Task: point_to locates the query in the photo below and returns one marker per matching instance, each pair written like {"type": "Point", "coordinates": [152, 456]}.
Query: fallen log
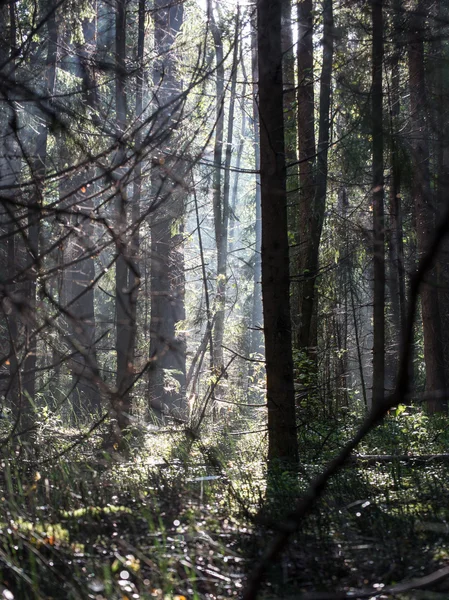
{"type": "Point", "coordinates": [374, 459]}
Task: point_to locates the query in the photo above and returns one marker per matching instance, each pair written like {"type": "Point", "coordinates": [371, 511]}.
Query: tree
{"type": "Point", "coordinates": [125, 306]}
{"type": "Point", "coordinates": [282, 439]}
{"type": "Point", "coordinates": [38, 170]}
{"type": "Point", "coordinates": [396, 251]}
{"type": "Point", "coordinates": [309, 219]}
{"type": "Point", "coordinates": [166, 384]}
{"type": "Point", "coordinates": [378, 205]}
{"type": "Point", "coordinates": [425, 211]}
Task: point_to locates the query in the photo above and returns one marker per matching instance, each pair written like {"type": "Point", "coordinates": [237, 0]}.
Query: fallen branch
{"type": "Point", "coordinates": [375, 459]}
{"type": "Point", "coordinates": [415, 584]}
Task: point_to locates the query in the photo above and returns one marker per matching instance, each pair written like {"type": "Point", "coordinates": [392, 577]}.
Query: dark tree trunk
{"type": "Point", "coordinates": [378, 205]}
{"type": "Point", "coordinates": [167, 375]}
{"type": "Point", "coordinates": [124, 290]}
{"type": "Point", "coordinates": [282, 439]}
{"type": "Point", "coordinates": [396, 252]}
{"type": "Point", "coordinates": [308, 218]}
{"type": "Point", "coordinates": [425, 211]}
{"type": "Point", "coordinates": [10, 175]}
{"type": "Point", "coordinates": [441, 131]}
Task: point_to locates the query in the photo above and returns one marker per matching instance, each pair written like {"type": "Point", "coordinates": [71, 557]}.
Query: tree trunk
{"type": "Point", "coordinates": [124, 292]}
{"type": "Point", "coordinates": [282, 439]}
{"type": "Point", "coordinates": [441, 131]}
{"type": "Point", "coordinates": [79, 292]}
{"type": "Point", "coordinates": [221, 211]}
{"type": "Point", "coordinates": [378, 205]}
{"type": "Point", "coordinates": [167, 375]}
{"type": "Point", "coordinates": [257, 311]}
{"type": "Point", "coordinates": [425, 211]}
{"type": "Point", "coordinates": [308, 218]}
{"type": "Point", "coordinates": [10, 164]}
{"type": "Point", "coordinates": [396, 252]}
{"type": "Point", "coordinates": [291, 133]}
{"type": "Point", "coordinates": [39, 168]}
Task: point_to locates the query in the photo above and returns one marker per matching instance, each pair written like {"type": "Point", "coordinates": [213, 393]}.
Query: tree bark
{"type": "Point", "coordinates": [378, 204]}
{"type": "Point", "coordinates": [124, 292]}
{"type": "Point", "coordinates": [282, 439]}
{"type": "Point", "coordinates": [425, 211]}
{"type": "Point", "coordinates": [396, 251]}
{"type": "Point", "coordinates": [10, 175]}
{"type": "Point", "coordinates": [257, 310]}
{"type": "Point", "coordinates": [167, 375]}
{"type": "Point", "coordinates": [291, 133]}
{"type": "Point", "coordinates": [308, 217]}
{"type": "Point", "coordinates": [441, 132]}
{"type": "Point", "coordinates": [222, 212]}
{"type": "Point", "coordinates": [39, 169]}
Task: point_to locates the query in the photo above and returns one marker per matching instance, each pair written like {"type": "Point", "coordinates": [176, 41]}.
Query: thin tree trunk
{"type": "Point", "coordinates": [125, 319]}
{"type": "Point", "coordinates": [257, 311]}
{"type": "Point", "coordinates": [396, 252]}
{"type": "Point", "coordinates": [378, 205]}
{"type": "Point", "coordinates": [291, 134]}
{"type": "Point", "coordinates": [282, 439]}
{"type": "Point", "coordinates": [222, 230]}
{"type": "Point", "coordinates": [308, 217]}
{"type": "Point", "coordinates": [221, 212]}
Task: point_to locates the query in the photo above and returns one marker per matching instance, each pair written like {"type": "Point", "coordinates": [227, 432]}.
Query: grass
{"type": "Point", "coordinates": [169, 524]}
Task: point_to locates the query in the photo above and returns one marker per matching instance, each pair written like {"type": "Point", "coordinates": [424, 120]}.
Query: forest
{"type": "Point", "coordinates": [224, 299]}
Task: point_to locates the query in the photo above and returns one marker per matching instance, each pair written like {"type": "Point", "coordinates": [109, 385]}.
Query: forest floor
{"type": "Point", "coordinates": [167, 523]}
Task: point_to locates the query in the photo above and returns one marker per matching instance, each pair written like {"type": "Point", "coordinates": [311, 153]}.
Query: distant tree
{"type": "Point", "coordinates": [38, 166]}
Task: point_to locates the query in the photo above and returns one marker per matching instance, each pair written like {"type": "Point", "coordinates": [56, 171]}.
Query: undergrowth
{"type": "Point", "coordinates": [179, 519]}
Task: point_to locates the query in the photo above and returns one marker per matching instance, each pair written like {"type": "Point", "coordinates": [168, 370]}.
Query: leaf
{"type": "Point", "coordinates": [399, 410]}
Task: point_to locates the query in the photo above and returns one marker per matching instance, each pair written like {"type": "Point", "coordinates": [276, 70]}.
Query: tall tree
{"type": "Point", "coordinates": [440, 121]}
{"type": "Point", "coordinates": [10, 164]}
{"type": "Point", "coordinates": [222, 203]}
{"type": "Point", "coordinates": [425, 209]}
{"type": "Point", "coordinates": [124, 289]}
{"type": "Point", "coordinates": [78, 192]}
{"type": "Point", "coordinates": [257, 310]}
{"type": "Point", "coordinates": [378, 204]}
{"type": "Point", "coordinates": [167, 347]}
{"type": "Point", "coordinates": [290, 124]}
{"type": "Point", "coordinates": [39, 166]}
{"type": "Point", "coordinates": [308, 218]}
{"type": "Point", "coordinates": [396, 252]}
{"type": "Point", "coordinates": [282, 440]}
